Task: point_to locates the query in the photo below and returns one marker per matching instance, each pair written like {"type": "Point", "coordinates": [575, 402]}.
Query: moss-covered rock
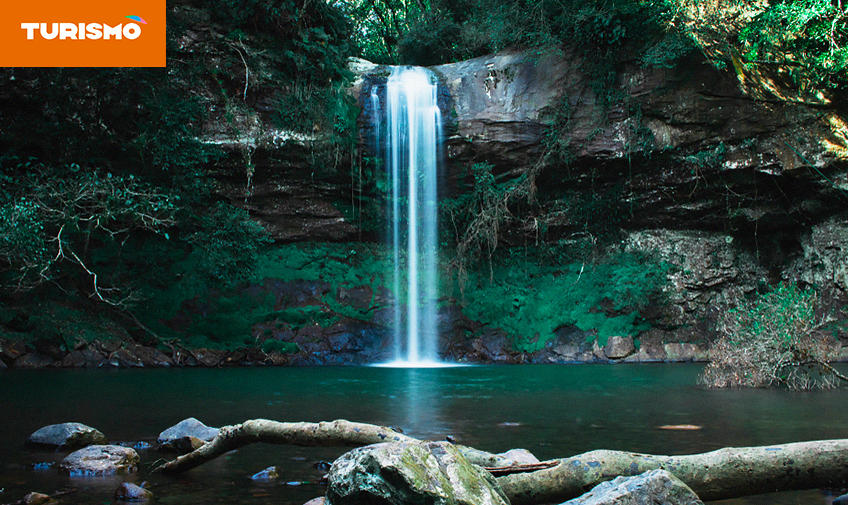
{"type": "Point", "coordinates": [400, 474]}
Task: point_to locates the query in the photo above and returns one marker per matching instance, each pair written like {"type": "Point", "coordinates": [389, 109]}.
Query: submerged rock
{"type": "Point", "coordinates": [100, 460]}
{"type": "Point", "coordinates": [132, 492]}
{"type": "Point", "coordinates": [269, 473]}
{"type": "Point", "coordinates": [656, 486]}
{"type": "Point", "coordinates": [401, 474]}
{"type": "Point", "coordinates": [66, 436]}
{"type": "Point", "coordinates": [186, 435]}
{"type": "Point", "coordinates": [37, 499]}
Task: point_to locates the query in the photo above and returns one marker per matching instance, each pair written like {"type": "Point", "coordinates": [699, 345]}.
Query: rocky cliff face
{"type": "Point", "coordinates": [737, 192]}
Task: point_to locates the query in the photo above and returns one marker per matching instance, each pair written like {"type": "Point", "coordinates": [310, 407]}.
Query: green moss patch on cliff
{"type": "Point", "coordinates": [530, 300]}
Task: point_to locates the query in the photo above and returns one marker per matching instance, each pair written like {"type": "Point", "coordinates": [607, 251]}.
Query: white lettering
{"type": "Point", "coordinates": [67, 31]}
{"type": "Point", "coordinates": [30, 28]}
{"type": "Point", "coordinates": [82, 31]}
{"type": "Point", "coordinates": [112, 31]}
{"type": "Point", "coordinates": [132, 31]}
{"type": "Point", "coordinates": [94, 31]}
{"type": "Point", "coordinates": [52, 34]}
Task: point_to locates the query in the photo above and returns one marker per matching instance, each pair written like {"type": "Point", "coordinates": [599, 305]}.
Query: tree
{"type": "Point", "coordinates": [53, 220]}
{"type": "Point", "coordinates": [721, 474]}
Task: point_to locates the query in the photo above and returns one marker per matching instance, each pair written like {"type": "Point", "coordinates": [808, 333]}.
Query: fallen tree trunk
{"type": "Point", "coordinates": [721, 474]}
{"type": "Point", "coordinates": [335, 433]}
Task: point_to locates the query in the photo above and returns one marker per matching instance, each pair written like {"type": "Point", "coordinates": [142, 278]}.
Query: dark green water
{"type": "Point", "coordinates": [553, 411]}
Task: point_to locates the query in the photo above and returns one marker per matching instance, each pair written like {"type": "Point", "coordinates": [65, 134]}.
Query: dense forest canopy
{"type": "Point", "coordinates": [104, 183]}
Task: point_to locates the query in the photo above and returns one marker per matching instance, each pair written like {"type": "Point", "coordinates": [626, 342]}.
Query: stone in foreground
{"type": "Point", "coordinates": [186, 435]}
{"type": "Point", "coordinates": [68, 436]}
{"type": "Point", "coordinates": [132, 492]}
{"type": "Point", "coordinates": [100, 460]}
{"type": "Point", "coordinates": [521, 456]}
{"type": "Point", "coordinates": [37, 499]}
{"type": "Point", "coordinates": [654, 487]}
{"type": "Point", "coordinates": [406, 474]}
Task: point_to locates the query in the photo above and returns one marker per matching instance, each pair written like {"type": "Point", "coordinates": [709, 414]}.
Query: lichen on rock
{"type": "Point", "coordinates": [411, 473]}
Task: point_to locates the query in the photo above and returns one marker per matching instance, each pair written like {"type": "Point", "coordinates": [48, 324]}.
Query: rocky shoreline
{"type": "Point", "coordinates": [339, 348]}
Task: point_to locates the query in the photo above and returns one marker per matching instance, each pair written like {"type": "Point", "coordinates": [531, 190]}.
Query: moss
{"type": "Point", "coordinates": [530, 301]}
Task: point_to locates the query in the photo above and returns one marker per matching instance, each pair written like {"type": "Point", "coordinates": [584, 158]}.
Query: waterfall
{"type": "Point", "coordinates": [412, 137]}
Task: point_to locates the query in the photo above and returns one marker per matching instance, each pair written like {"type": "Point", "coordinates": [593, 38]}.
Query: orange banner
{"type": "Point", "coordinates": [86, 33]}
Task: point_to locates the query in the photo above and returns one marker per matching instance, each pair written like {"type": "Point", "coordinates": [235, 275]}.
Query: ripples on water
{"type": "Point", "coordinates": [553, 411]}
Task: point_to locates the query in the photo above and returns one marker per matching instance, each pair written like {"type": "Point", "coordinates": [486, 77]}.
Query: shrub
{"type": "Point", "coordinates": [776, 339]}
{"type": "Point", "coordinates": [228, 243]}
{"type": "Point", "coordinates": [806, 37]}
{"type": "Point", "coordinates": [21, 238]}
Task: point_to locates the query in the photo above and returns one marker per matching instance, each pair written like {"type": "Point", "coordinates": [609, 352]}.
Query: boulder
{"type": "Point", "coordinates": [401, 474]}
{"type": "Point", "coordinates": [131, 492]}
{"type": "Point", "coordinates": [11, 349]}
{"type": "Point", "coordinates": [37, 499]}
{"type": "Point", "coordinates": [68, 436]}
{"type": "Point", "coordinates": [656, 486]}
{"type": "Point", "coordinates": [150, 356]}
{"type": "Point", "coordinates": [209, 358]}
{"type": "Point", "coordinates": [179, 437]}
{"type": "Point", "coordinates": [100, 460]}
{"type": "Point", "coordinates": [126, 359]}
{"type": "Point", "coordinates": [619, 347]}
{"type": "Point", "coordinates": [522, 456]}
{"type": "Point", "coordinates": [33, 360]}
{"type": "Point", "coordinates": [74, 359]}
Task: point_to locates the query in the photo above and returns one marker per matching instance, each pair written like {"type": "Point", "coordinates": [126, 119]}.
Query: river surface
{"type": "Point", "coordinates": [551, 410]}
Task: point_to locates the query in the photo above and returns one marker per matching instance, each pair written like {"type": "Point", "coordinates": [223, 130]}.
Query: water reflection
{"type": "Point", "coordinates": [553, 411]}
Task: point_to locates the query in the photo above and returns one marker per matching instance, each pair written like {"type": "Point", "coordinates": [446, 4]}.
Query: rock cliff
{"type": "Point", "coordinates": [736, 191]}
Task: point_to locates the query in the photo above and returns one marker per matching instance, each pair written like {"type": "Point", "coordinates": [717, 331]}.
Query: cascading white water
{"type": "Point", "coordinates": [412, 150]}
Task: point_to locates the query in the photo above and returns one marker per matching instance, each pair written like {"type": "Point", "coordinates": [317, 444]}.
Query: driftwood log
{"type": "Point", "coordinates": [721, 474]}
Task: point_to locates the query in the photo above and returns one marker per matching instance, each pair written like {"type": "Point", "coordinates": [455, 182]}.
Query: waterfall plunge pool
{"type": "Point", "coordinates": [551, 410]}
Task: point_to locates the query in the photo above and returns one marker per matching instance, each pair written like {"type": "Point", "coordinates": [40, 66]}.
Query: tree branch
{"type": "Point", "coordinates": [335, 433]}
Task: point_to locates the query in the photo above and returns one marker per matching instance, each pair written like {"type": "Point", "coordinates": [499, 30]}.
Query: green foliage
{"type": "Point", "coordinates": [556, 140]}
{"type": "Point", "coordinates": [442, 31]}
{"type": "Point", "coordinates": [327, 111]}
{"type": "Point", "coordinates": [313, 38]}
{"type": "Point", "coordinates": [669, 50]}
{"type": "Point", "coordinates": [530, 300]}
{"type": "Point", "coordinates": [121, 120]}
{"type": "Point", "coordinates": [219, 317]}
{"type": "Point", "coordinates": [808, 38]}
{"type": "Point", "coordinates": [278, 346]}
{"type": "Point", "coordinates": [338, 265]}
{"type": "Point", "coordinates": [473, 218]}
{"type": "Point", "coordinates": [22, 242]}
{"type": "Point", "coordinates": [65, 223]}
{"type": "Point", "coordinates": [775, 339]}
{"type": "Point", "coordinates": [166, 137]}
{"type": "Point", "coordinates": [228, 244]}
